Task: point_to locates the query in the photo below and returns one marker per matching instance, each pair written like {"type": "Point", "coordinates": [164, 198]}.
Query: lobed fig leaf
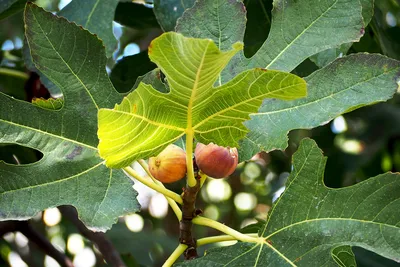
{"type": "Point", "coordinates": [146, 121]}
{"type": "Point", "coordinates": [71, 171]}
{"type": "Point", "coordinates": [313, 225]}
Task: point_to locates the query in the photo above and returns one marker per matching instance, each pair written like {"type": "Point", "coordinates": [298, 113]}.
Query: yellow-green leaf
{"type": "Point", "coordinates": [147, 120]}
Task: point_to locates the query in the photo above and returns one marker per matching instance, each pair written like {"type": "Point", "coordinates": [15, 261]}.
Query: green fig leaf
{"type": "Point", "coordinates": [353, 81]}
{"type": "Point", "coordinates": [96, 16]}
{"type": "Point", "coordinates": [147, 120]}
{"type": "Point", "coordinates": [313, 225]}
{"type": "Point", "coordinates": [71, 171]}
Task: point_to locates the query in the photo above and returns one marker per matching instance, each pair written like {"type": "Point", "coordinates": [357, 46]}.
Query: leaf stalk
{"type": "Point", "coordinates": [227, 230]}
{"type": "Point", "coordinates": [171, 202]}
{"type": "Point", "coordinates": [219, 238]}
{"type": "Point", "coordinates": [177, 198]}
{"type": "Point", "coordinates": [175, 255]}
{"type": "Point", "coordinates": [191, 180]}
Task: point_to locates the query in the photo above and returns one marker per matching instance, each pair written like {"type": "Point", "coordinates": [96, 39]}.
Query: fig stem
{"type": "Point", "coordinates": [171, 202]}
{"type": "Point", "coordinates": [201, 242]}
{"type": "Point", "coordinates": [175, 255]}
{"type": "Point", "coordinates": [132, 173]}
{"type": "Point", "coordinates": [191, 180]}
{"type": "Point", "coordinates": [219, 238]}
{"type": "Point", "coordinates": [203, 178]}
{"type": "Point", "coordinates": [227, 230]}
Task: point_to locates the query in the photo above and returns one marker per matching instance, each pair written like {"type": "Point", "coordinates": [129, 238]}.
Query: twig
{"type": "Point", "coordinates": [227, 230]}
{"type": "Point", "coordinates": [104, 245]}
{"type": "Point", "coordinates": [27, 230]}
{"type": "Point", "coordinates": [175, 255]}
{"type": "Point", "coordinates": [189, 212]}
{"type": "Point", "coordinates": [219, 238]}
{"type": "Point", "coordinates": [152, 185]}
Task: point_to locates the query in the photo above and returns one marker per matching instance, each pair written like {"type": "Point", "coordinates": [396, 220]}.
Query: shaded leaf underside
{"type": "Point", "coordinates": [147, 120]}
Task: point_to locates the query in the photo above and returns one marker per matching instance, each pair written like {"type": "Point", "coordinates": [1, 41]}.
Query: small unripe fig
{"type": "Point", "coordinates": [170, 165]}
{"type": "Point", "coordinates": [216, 161]}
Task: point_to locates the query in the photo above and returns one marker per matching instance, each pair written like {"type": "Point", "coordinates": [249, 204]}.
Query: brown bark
{"type": "Point", "coordinates": [42, 243]}
{"type": "Point", "coordinates": [189, 212]}
{"type": "Point", "coordinates": [104, 245]}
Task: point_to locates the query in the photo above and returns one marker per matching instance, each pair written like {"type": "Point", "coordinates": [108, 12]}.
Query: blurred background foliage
{"type": "Point", "coordinates": [360, 144]}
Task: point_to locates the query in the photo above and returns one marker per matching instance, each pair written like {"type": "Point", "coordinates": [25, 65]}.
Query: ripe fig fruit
{"type": "Point", "coordinates": [216, 161]}
{"type": "Point", "coordinates": [170, 165]}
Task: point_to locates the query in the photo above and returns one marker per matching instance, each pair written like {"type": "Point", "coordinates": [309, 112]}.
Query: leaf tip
{"type": "Point", "coordinates": [29, 4]}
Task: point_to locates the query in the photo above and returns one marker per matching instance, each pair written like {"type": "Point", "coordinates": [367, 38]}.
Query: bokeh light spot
{"type": "Point", "coordinates": [339, 125]}
{"type": "Point", "coordinates": [58, 242]}
{"type": "Point", "coordinates": [75, 244]}
{"type": "Point", "coordinates": [218, 190]}
{"type": "Point", "coordinates": [131, 49]}
{"type": "Point", "coordinates": [50, 262]}
{"type": "Point", "coordinates": [20, 240]}
{"type": "Point", "coordinates": [51, 216]}
{"type": "Point", "coordinates": [134, 222]}
{"type": "Point", "coordinates": [391, 19]}
{"type": "Point", "coordinates": [158, 206]}
{"type": "Point", "coordinates": [85, 258]}
{"type": "Point", "coordinates": [15, 260]}
{"type": "Point", "coordinates": [212, 212]}
{"type": "Point", "coordinates": [245, 201]}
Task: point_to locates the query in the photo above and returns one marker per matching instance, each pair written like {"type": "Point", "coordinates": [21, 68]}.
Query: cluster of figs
{"type": "Point", "coordinates": [213, 160]}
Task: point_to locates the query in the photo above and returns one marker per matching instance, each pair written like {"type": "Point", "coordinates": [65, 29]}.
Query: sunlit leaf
{"type": "Point", "coordinates": [299, 29]}
{"type": "Point", "coordinates": [147, 120]}
{"type": "Point", "coordinates": [223, 22]}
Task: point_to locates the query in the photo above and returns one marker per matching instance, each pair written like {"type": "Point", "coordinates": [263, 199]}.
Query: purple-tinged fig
{"type": "Point", "coordinates": [216, 161]}
{"type": "Point", "coordinates": [170, 165]}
